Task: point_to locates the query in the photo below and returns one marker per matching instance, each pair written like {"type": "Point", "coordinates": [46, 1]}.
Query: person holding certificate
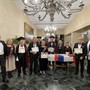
{"type": "Point", "coordinates": [80, 53]}
{"type": "Point", "coordinates": [21, 52]}
{"type": "Point", "coordinates": [33, 50]}
{"type": "Point", "coordinates": [43, 57]}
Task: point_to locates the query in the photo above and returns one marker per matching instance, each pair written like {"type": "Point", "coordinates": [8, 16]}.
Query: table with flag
{"type": "Point", "coordinates": [61, 58]}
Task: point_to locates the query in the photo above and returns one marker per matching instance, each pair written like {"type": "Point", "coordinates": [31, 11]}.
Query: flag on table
{"type": "Point", "coordinates": [72, 55]}
{"type": "Point", "coordinates": [61, 58]}
{"type": "Point", "coordinates": [56, 57]}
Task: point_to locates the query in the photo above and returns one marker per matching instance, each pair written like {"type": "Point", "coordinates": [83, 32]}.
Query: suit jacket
{"type": "Point", "coordinates": [30, 48]}
{"type": "Point", "coordinates": [83, 46]}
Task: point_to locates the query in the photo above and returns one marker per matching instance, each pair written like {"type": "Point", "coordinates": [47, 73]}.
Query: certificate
{"type": "Point", "coordinates": [21, 50]}
{"type": "Point", "coordinates": [78, 50]}
{"type": "Point", "coordinates": [35, 49]}
{"type": "Point", "coordinates": [67, 52]}
{"type": "Point", "coordinates": [51, 49]}
{"type": "Point", "coordinates": [44, 55]}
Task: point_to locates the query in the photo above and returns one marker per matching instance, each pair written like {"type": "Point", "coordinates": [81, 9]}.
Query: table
{"type": "Point", "coordinates": [60, 58]}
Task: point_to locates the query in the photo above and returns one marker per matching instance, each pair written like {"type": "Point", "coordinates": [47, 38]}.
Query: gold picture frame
{"type": "Point", "coordinates": [28, 31]}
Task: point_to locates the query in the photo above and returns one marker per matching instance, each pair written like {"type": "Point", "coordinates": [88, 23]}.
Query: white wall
{"type": "Point", "coordinates": [80, 21]}
{"type": "Point", "coordinates": [12, 20]}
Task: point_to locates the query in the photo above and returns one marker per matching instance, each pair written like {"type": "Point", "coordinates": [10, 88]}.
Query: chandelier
{"type": "Point", "coordinates": [50, 30]}
{"type": "Point", "coordinates": [51, 7]}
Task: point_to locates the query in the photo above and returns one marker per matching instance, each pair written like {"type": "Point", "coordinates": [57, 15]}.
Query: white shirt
{"type": "Point", "coordinates": [35, 45]}
{"type": "Point", "coordinates": [1, 49]}
{"type": "Point", "coordinates": [79, 45]}
{"type": "Point", "coordinates": [21, 49]}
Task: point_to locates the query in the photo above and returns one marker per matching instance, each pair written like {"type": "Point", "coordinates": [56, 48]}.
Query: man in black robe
{"type": "Point", "coordinates": [21, 51]}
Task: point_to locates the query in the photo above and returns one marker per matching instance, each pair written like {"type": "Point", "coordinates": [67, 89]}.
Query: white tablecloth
{"type": "Point", "coordinates": [51, 57]}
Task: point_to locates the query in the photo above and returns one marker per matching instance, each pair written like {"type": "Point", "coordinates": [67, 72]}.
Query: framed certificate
{"type": "Point", "coordinates": [21, 50]}
{"type": "Point", "coordinates": [35, 49]}
{"type": "Point", "coordinates": [44, 55]}
{"type": "Point", "coordinates": [78, 50]}
{"type": "Point", "coordinates": [51, 49]}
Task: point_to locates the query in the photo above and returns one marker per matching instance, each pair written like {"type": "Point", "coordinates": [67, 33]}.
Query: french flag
{"type": "Point", "coordinates": [60, 58]}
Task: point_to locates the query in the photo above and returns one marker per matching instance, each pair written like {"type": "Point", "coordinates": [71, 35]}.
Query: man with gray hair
{"type": "Point", "coordinates": [80, 53]}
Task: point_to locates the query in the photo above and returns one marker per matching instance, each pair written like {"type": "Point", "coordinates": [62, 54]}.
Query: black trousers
{"type": "Point", "coordinates": [3, 66]}
{"type": "Point", "coordinates": [33, 60]}
{"type": "Point", "coordinates": [81, 65]}
{"type": "Point", "coordinates": [21, 63]}
{"type": "Point", "coordinates": [43, 64]}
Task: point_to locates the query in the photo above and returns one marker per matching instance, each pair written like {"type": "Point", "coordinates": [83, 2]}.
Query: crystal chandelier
{"type": "Point", "coordinates": [50, 30]}
{"type": "Point", "coordinates": [50, 7]}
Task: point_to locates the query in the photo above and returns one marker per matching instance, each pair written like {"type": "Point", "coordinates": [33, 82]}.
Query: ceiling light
{"type": "Point", "coordinates": [50, 7]}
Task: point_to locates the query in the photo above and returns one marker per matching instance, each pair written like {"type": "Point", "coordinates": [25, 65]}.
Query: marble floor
{"type": "Point", "coordinates": [55, 79]}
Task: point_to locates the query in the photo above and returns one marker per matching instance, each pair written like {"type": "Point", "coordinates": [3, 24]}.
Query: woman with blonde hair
{"type": "Point", "coordinates": [43, 50]}
{"type": "Point", "coordinates": [10, 60]}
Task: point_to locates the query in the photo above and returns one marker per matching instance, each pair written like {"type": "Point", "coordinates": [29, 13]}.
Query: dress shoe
{"type": "Point", "coordinates": [88, 75]}
{"type": "Point", "coordinates": [82, 75]}
{"type": "Point", "coordinates": [19, 75]}
{"type": "Point", "coordinates": [30, 73]}
{"type": "Point", "coordinates": [10, 76]}
{"type": "Point", "coordinates": [35, 72]}
{"type": "Point", "coordinates": [75, 73]}
{"type": "Point", "coordinates": [25, 73]}
{"type": "Point", "coordinates": [41, 72]}
{"type": "Point", "coordinates": [44, 72]}
{"type": "Point", "coordinates": [5, 80]}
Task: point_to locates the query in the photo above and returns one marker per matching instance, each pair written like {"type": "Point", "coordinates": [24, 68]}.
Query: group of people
{"type": "Point", "coordinates": [15, 58]}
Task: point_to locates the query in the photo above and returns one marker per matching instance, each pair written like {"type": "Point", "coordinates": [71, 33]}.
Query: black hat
{"type": "Point", "coordinates": [51, 37]}
{"type": "Point", "coordinates": [39, 37]}
{"type": "Point", "coordinates": [20, 38]}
